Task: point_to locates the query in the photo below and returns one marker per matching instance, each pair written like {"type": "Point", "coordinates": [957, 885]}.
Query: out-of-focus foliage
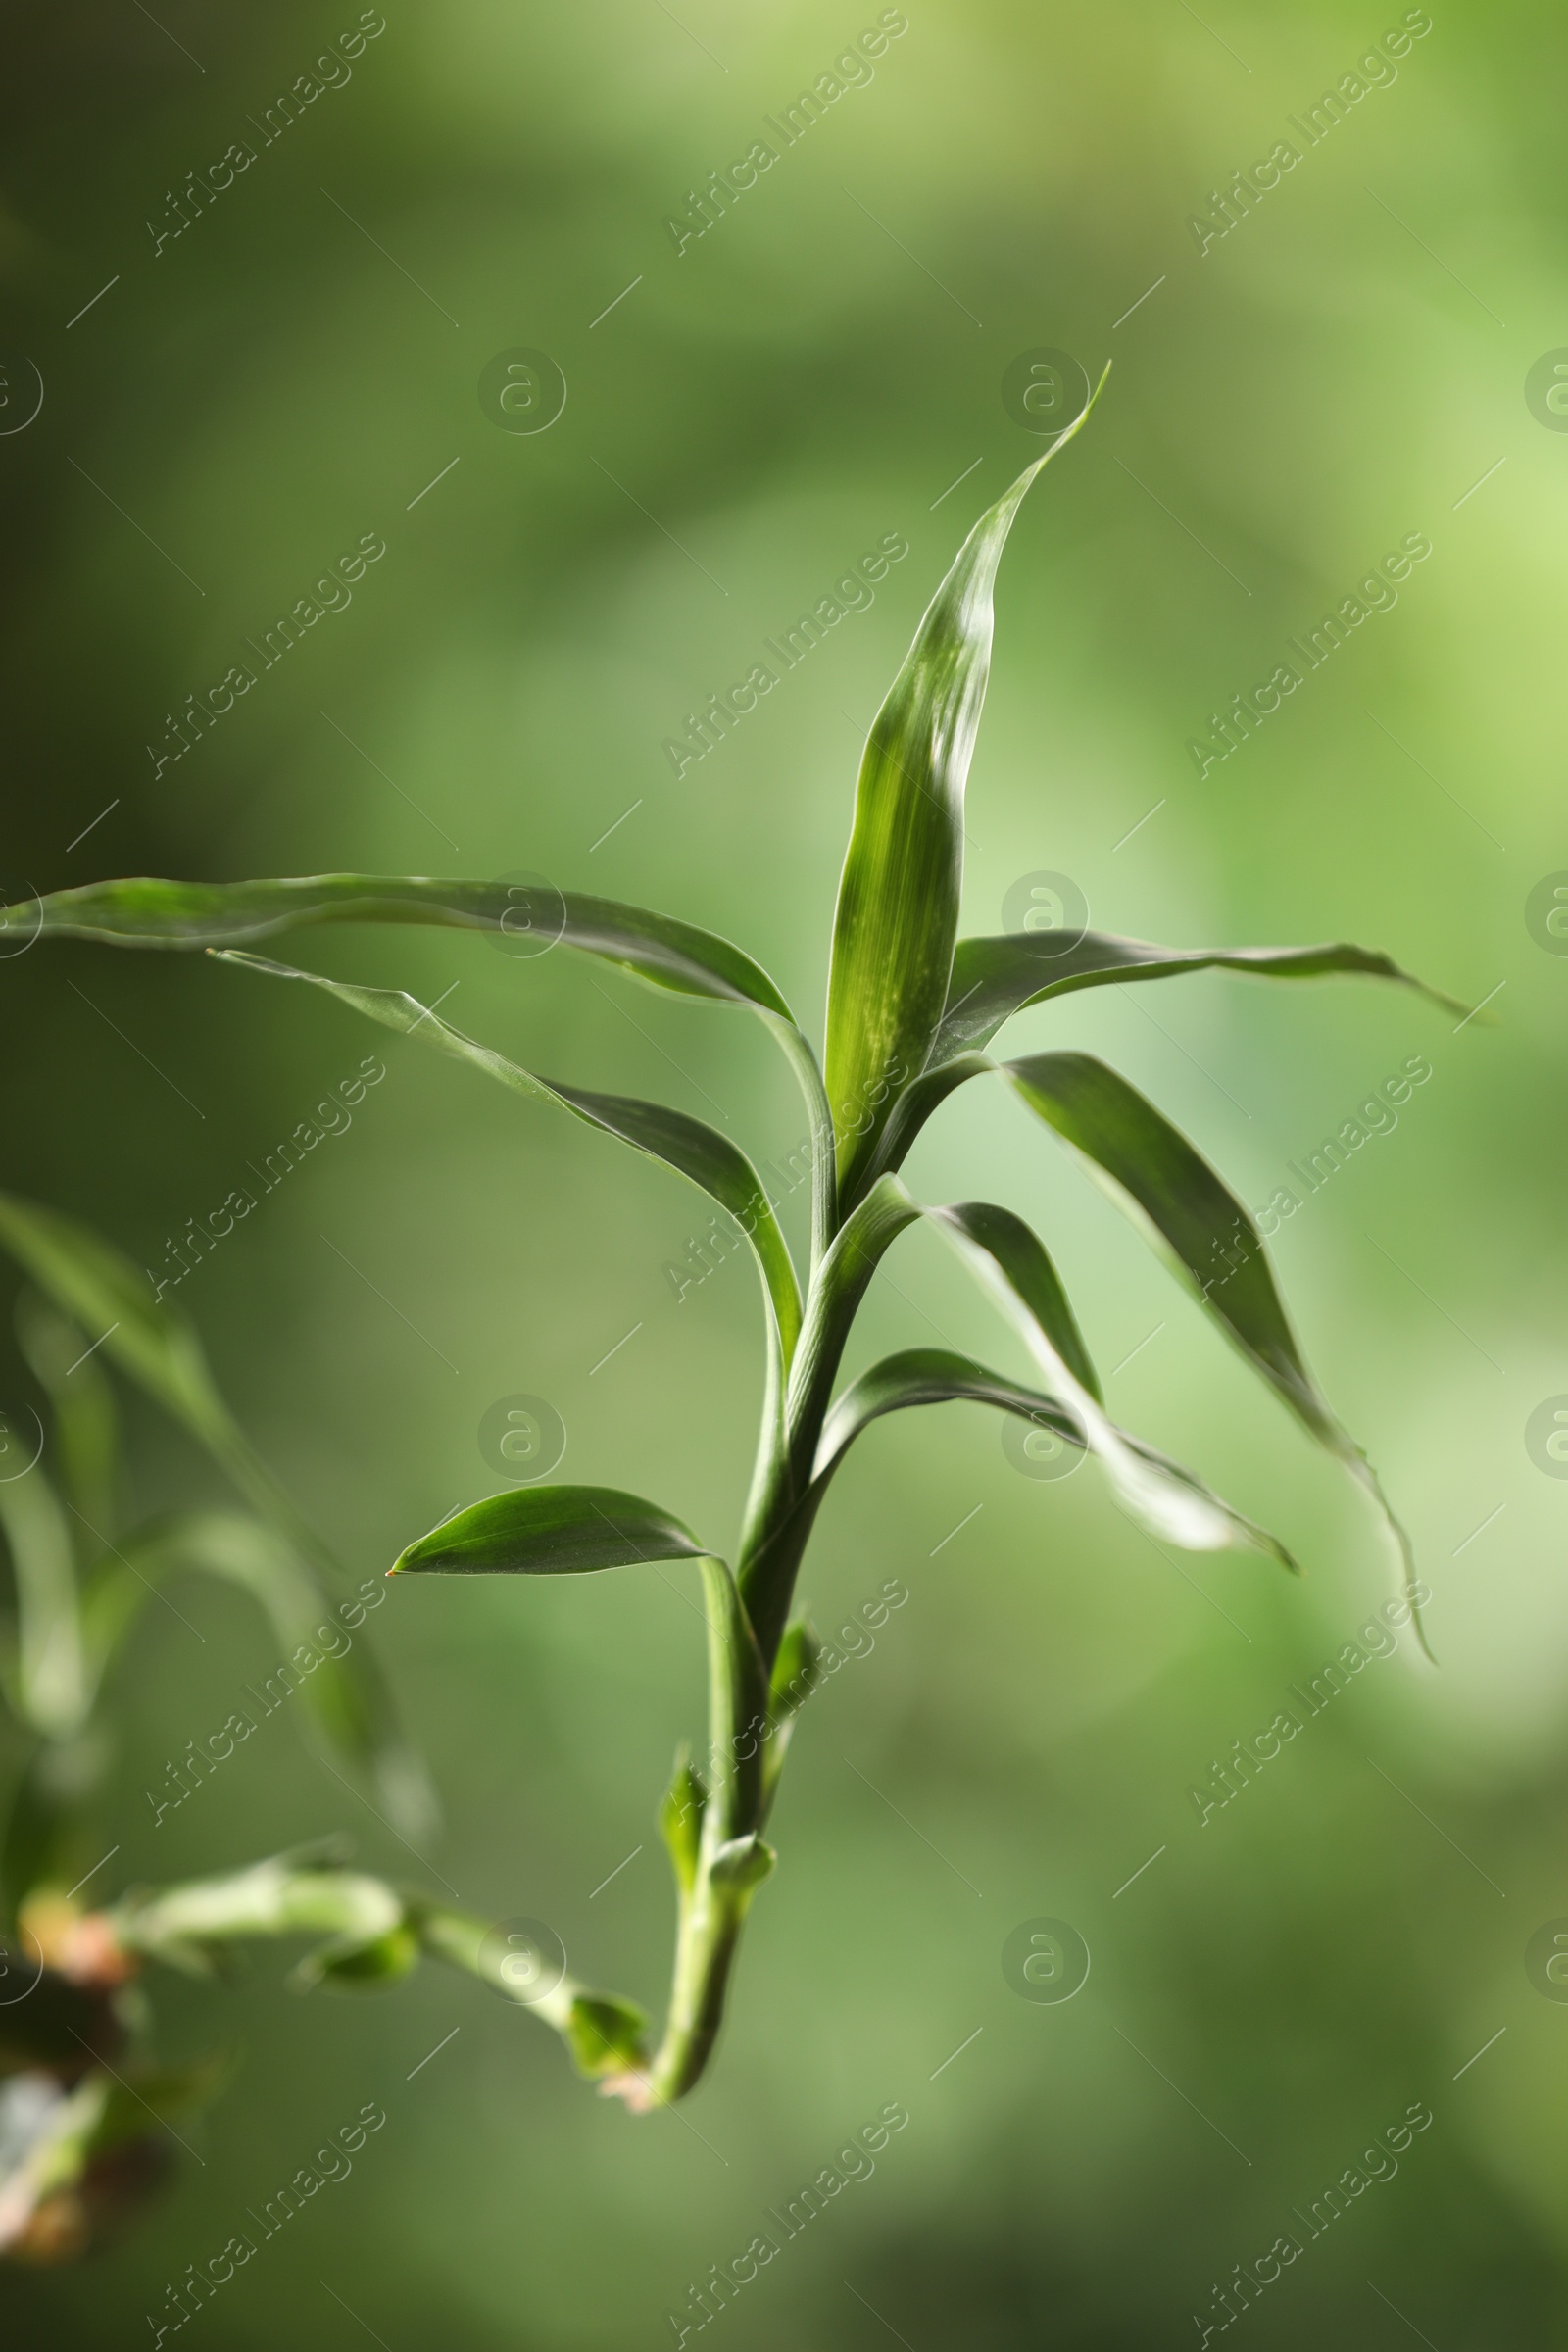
{"type": "Point", "coordinates": [796, 389]}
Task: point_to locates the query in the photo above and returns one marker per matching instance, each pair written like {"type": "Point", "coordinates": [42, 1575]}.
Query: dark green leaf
{"type": "Point", "coordinates": [695, 1151]}
{"type": "Point", "coordinates": [149, 913]}
{"type": "Point", "coordinates": [1013, 1265]}
{"type": "Point", "coordinates": [995, 978]}
{"type": "Point", "coordinates": [550, 1531]}
{"type": "Point", "coordinates": [897, 904]}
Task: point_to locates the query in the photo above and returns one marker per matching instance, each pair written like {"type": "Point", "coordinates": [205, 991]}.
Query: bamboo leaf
{"type": "Point", "coordinates": [897, 903]}
{"type": "Point", "coordinates": [1198, 1224]}
{"type": "Point", "coordinates": [1010, 1263]}
{"type": "Point", "coordinates": [934, 1376]}
{"type": "Point", "coordinates": [1197, 1221]}
{"type": "Point", "coordinates": [692, 1149]}
{"type": "Point", "coordinates": [657, 949]}
{"type": "Point", "coordinates": [919, 1376]}
{"type": "Point", "coordinates": [550, 1531]}
{"type": "Point", "coordinates": [995, 978]}
{"type": "Point", "coordinates": [1013, 1264]}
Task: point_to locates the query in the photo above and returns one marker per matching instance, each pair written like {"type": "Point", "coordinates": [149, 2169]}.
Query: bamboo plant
{"type": "Point", "coordinates": [911, 1010]}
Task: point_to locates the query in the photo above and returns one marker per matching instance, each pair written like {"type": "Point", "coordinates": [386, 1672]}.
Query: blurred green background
{"type": "Point", "coordinates": [226, 420]}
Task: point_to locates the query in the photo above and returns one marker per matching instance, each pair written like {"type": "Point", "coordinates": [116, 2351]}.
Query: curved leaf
{"type": "Point", "coordinates": [928, 1376]}
{"type": "Point", "coordinates": [149, 913]}
{"type": "Point", "coordinates": [1010, 1263]}
{"type": "Point", "coordinates": [1203, 1230]}
{"type": "Point", "coordinates": [919, 1098]}
{"type": "Point", "coordinates": [994, 978]}
{"type": "Point", "coordinates": [550, 1531]}
{"type": "Point", "coordinates": [156, 1346]}
{"type": "Point", "coordinates": [897, 904]}
{"type": "Point", "coordinates": [692, 1149]}
{"type": "Point", "coordinates": [668, 954]}
{"type": "Point", "coordinates": [934, 1376]}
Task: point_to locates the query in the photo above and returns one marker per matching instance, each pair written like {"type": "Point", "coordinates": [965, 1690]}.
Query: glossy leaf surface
{"type": "Point", "coordinates": [897, 904]}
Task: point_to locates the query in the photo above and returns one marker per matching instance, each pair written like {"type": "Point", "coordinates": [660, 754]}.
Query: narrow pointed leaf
{"type": "Point", "coordinates": [934, 1376]}
{"type": "Point", "coordinates": [919, 1376]}
{"type": "Point", "coordinates": [1151, 1171]}
{"type": "Point", "coordinates": [1010, 1263]}
{"type": "Point", "coordinates": [150, 914]}
{"type": "Point", "coordinates": [692, 1149]}
{"type": "Point", "coordinates": [897, 904]}
{"type": "Point", "coordinates": [1013, 1264]}
{"type": "Point", "coordinates": [654, 947]}
{"type": "Point", "coordinates": [1154, 1170]}
{"type": "Point", "coordinates": [550, 1531]}
{"type": "Point", "coordinates": [994, 978]}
